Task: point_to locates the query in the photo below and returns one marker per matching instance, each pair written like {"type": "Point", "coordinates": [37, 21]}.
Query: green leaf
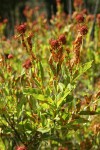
{"type": "Point", "coordinates": [57, 118]}
{"type": "Point", "coordinates": [43, 130]}
{"type": "Point", "coordinates": [28, 114]}
{"type": "Point", "coordinates": [40, 97]}
{"type": "Point", "coordinates": [83, 69]}
{"type": "Point", "coordinates": [69, 98]}
{"type": "Point", "coordinates": [2, 146]}
{"type": "Point", "coordinates": [61, 86]}
{"type": "Point", "coordinates": [37, 82]}
{"type": "Point", "coordinates": [65, 116]}
{"type": "Point", "coordinates": [88, 113]}
{"type": "Point", "coordinates": [67, 91]}
{"type": "Point", "coordinates": [30, 91]}
{"type": "Point", "coordinates": [58, 68]}
{"type": "Point", "coordinates": [81, 120]}
{"type": "Point", "coordinates": [42, 71]}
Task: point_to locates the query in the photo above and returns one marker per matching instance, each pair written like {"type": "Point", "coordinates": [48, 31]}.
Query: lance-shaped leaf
{"type": "Point", "coordinates": [43, 130]}
{"type": "Point", "coordinates": [41, 71]}
{"type": "Point", "coordinates": [83, 69]}
{"type": "Point", "coordinates": [38, 96]}
{"type": "Point", "coordinates": [66, 92]}
{"type": "Point", "coordinates": [88, 113]}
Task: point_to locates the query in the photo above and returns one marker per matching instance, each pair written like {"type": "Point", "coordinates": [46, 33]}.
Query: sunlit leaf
{"type": "Point", "coordinates": [43, 130]}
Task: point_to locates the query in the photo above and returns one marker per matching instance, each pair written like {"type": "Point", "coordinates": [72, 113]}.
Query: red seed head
{"type": "Point", "coordinates": [80, 18]}
{"type": "Point", "coordinates": [37, 8]}
{"type": "Point", "coordinates": [10, 56]}
{"type": "Point", "coordinates": [62, 39]}
{"type": "Point", "coordinates": [59, 25]}
{"type": "Point", "coordinates": [4, 38]}
{"type": "Point", "coordinates": [5, 21]}
{"type": "Point", "coordinates": [98, 17]}
{"type": "Point", "coordinates": [83, 30]}
{"type": "Point", "coordinates": [84, 11]}
{"type": "Point", "coordinates": [54, 44]}
{"type": "Point", "coordinates": [27, 64]}
{"type": "Point", "coordinates": [89, 18]}
{"type": "Point", "coordinates": [21, 148]}
{"type": "Point", "coordinates": [78, 3]}
{"type": "Point", "coordinates": [0, 23]}
{"type": "Point", "coordinates": [21, 28]}
{"type": "Point", "coordinates": [34, 23]}
{"type": "Point", "coordinates": [58, 1]}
